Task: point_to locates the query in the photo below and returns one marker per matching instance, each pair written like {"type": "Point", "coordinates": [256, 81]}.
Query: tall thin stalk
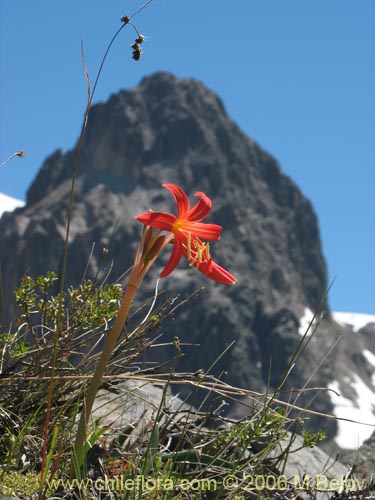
{"type": "Point", "coordinates": [149, 248]}
{"type": "Point", "coordinates": [90, 96]}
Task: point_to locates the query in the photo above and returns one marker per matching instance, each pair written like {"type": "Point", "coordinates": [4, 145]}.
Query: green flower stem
{"type": "Point", "coordinates": [100, 369]}
{"type": "Point", "coordinates": [149, 248]}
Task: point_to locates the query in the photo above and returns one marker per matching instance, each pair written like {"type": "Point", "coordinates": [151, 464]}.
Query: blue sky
{"type": "Point", "coordinates": [297, 76]}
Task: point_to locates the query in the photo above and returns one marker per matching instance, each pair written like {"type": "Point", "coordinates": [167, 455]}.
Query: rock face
{"type": "Point", "coordinates": [173, 130]}
{"type": "Point", "coordinates": [363, 458]}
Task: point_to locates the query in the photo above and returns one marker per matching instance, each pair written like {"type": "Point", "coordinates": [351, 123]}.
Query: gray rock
{"type": "Point", "coordinates": [362, 459]}
{"type": "Point", "coordinates": [311, 469]}
{"type": "Point", "coordinates": [313, 461]}
{"type": "Point", "coordinates": [134, 403]}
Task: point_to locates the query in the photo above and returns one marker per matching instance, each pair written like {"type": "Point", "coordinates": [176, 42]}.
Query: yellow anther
{"type": "Point", "coordinates": [208, 256]}
{"type": "Point", "coordinates": [200, 249]}
{"type": "Point", "coordinates": [188, 247]}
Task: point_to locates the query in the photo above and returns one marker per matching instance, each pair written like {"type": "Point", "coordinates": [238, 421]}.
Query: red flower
{"type": "Point", "coordinates": [188, 231]}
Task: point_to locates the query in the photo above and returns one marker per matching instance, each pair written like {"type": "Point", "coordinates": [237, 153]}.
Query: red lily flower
{"type": "Point", "coordinates": [188, 231]}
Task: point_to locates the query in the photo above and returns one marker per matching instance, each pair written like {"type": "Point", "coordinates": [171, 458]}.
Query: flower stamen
{"type": "Point", "coordinates": [201, 250]}
{"type": "Point", "coordinates": [188, 246]}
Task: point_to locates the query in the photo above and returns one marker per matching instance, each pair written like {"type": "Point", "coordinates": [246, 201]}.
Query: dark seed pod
{"type": "Point", "coordinates": [137, 54]}
{"type": "Point", "coordinates": [125, 19]}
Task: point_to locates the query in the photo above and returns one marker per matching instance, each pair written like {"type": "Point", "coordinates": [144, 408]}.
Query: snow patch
{"type": "Point", "coordinates": [370, 357]}
{"type": "Point", "coordinates": [355, 320]}
{"type": "Point", "coordinates": [351, 435]}
{"type": "Point", "coordinates": [305, 321]}
{"type": "Point", "coordinates": [8, 204]}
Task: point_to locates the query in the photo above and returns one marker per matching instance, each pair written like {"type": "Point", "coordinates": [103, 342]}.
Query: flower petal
{"type": "Point", "coordinates": [201, 209]}
{"type": "Point", "coordinates": [182, 201]}
{"type": "Point", "coordinates": [174, 259]}
{"type": "Point", "coordinates": [202, 230]}
{"type": "Point", "coordinates": [217, 273]}
{"type": "Point", "coordinates": [160, 220]}
{"type": "Point", "coordinates": [209, 268]}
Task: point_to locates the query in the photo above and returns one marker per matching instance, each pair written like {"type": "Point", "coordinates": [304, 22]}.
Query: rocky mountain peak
{"type": "Point", "coordinates": [174, 130]}
{"type": "Point", "coordinates": [159, 121]}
